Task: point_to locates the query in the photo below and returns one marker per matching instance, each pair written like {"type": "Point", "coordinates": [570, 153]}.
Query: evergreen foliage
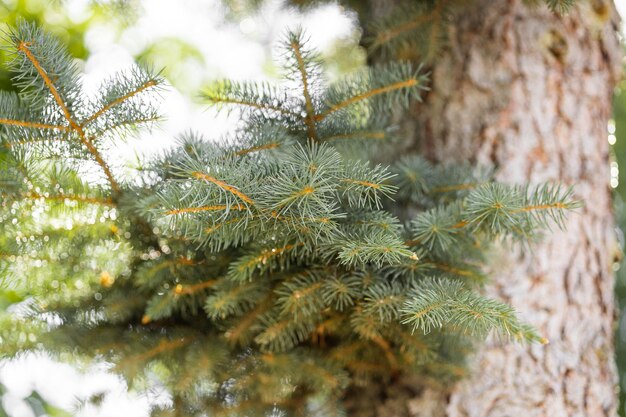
{"type": "Point", "coordinates": [262, 275]}
{"type": "Point", "coordinates": [418, 30]}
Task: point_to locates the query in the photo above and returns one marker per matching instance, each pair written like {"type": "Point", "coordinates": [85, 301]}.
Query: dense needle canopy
{"type": "Point", "coordinates": [263, 274]}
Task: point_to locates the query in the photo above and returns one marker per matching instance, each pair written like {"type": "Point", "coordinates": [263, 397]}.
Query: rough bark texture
{"type": "Point", "coordinates": [530, 91]}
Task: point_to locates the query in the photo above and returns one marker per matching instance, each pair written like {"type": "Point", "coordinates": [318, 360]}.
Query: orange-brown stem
{"type": "Point", "coordinates": [224, 186]}
{"type": "Point", "coordinates": [374, 92]}
{"type": "Point", "coordinates": [118, 101]}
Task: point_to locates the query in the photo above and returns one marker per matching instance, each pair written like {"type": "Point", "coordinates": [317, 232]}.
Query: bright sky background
{"type": "Point", "coordinates": [230, 50]}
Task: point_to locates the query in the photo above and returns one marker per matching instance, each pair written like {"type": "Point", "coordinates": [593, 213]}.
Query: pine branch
{"type": "Point", "coordinates": [264, 260]}
{"type": "Point", "coordinates": [258, 148]}
{"type": "Point", "coordinates": [418, 27]}
{"type": "Point", "coordinates": [131, 122]}
{"type": "Point", "coordinates": [223, 186]}
{"type": "Point", "coordinates": [341, 292]}
{"type": "Point", "coordinates": [412, 82]}
{"type": "Point", "coordinates": [359, 135]}
{"type": "Point", "coordinates": [164, 346]}
{"type": "Point", "coordinates": [192, 289]}
{"type": "Point", "coordinates": [35, 125]}
{"type": "Point", "coordinates": [259, 97]}
{"type": "Point", "coordinates": [117, 101]}
{"type": "Point", "coordinates": [24, 47]}
{"type": "Point", "coordinates": [236, 333]}
{"type": "Point", "coordinates": [364, 186]}
{"type": "Point", "coordinates": [296, 44]}
{"type": "Point", "coordinates": [438, 303]}
{"type": "Point", "coordinates": [276, 267]}
{"type": "Point", "coordinates": [185, 210]}
{"type": "Point", "coordinates": [378, 249]}
{"type": "Point", "coordinates": [501, 209]}
{"type": "Point", "coordinates": [378, 88]}
{"type": "Point", "coordinates": [300, 296]}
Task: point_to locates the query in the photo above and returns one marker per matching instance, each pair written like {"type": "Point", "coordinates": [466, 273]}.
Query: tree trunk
{"type": "Point", "coordinates": [530, 91]}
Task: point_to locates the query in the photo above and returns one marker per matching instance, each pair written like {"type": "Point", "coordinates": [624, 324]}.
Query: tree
{"type": "Point", "coordinates": [530, 91]}
{"type": "Point", "coordinates": [267, 274]}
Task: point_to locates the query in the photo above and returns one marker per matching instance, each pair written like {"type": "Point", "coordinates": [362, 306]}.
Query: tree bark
{"type": "Point", "coordinates": [530, 91]}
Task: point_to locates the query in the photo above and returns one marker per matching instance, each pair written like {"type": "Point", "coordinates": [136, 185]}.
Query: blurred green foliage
{"type": "Point", "coordinates": [177, 59]}
{"type": "Point", "coordinates": [619, 153]}
{"type": "Point", "coordinates": [51, 15]}
{"type": "Point", "coordinates": [45, 13]}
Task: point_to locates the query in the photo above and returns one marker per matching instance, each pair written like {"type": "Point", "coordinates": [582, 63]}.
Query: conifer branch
{"type": "Point", "coordinates": [96, 155]}
{"type": "Point", "coordinates": [305, 250]}
{"type": "Point", "coordinates": [386, 348]}
{"type": "Point", "coordinates": [392, 33]}
{"type": "Point", "coordinates": [409, 83]}
{"type": "Point", "coordinates": [133, 122]}
{"type": "Point", "coordinates": [406, 24]}
{"type": "Point", "coordinates": [192, 289]}
{"type": "Point", "coordinates": [236, 333]}
{"type": "Point", "coordinates": [31, 142]}
{"type": "Point", "coordinates": [181, 260]}
{"type": "Point", "coordinates": [377, 134]}
{"type": "Point", "coordinates": [148, 84]}
{"type": "Point", "coordinates": [362, 183]}
{"type": "Point", "coordinates": [455, 271]}
{"type": "Point", "coordinates": [24, 48]}
{"type": "Point", "coordinates": [239, 102]}
{"type": "Point", "coordinates": [455, 187]}
{"type": "Point", "coordinates": [217, 226]}
{"type": "Point", "coordinates": [310, 117]}
{"type": "Point", "coordinates": [24, 123]}
{"type": "Point", "coordinates": [162, 347]}
{"type": "Point", "coordinates": [202, 209]}
{"type": "Point", "coordinates": [249, 263]}
{"type": "Point", "coordinates": [258, 148]}
{"type": "Point", "coordinates": [224, 186]}
{"type": "Point", "coordinates": [439, 303]}
{"type": "Point", "coordinates": [331, 381]}
{"type": "Point", "coordinates": [551, 206]}
{"type": "Point", "coordinates": [261, 97]}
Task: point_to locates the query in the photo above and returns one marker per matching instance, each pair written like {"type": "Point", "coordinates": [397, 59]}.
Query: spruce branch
{"type": "Point", "coordinates": [25, 123]}
{"type": "Point", "coordinates": [268, 272]}
{"type": "Point", "coordinates": [266, 259]}
{"type": "Point", "coordinates": [438, 303]}
{"type": "Point", "coordinates": [223, 186]}
{"type": "Point", "coordinates": [121, 90]}
{"type": "Point", "coordinates": [49, 85]}
{"type": "Point", "coordinates": [300, 296]}
{"type": "Point", "coordinates": [382, 87]}
{"type": "Point", "coordinates": [502, 209]}
{"type": "Point", "coordinates": [237, 334]}
{"type": "Point", "coordinates": [378, 248]}
{"type": "Point", "coordinates": [419, 27]}
{"type": "Point", "coordinates": [303, 62]}
{"type": "Point", "coordinates": [25, 48]}
{"type": "Point", "coordinates": [359, 135]}
{"type": "Point", "coordinates": [254, 96]}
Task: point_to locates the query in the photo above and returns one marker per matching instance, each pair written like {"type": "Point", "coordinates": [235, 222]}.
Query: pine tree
{"type": "Point", "coordinates": [262, 275]}
{"type": "Point", "coordinates": [529, 91]}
